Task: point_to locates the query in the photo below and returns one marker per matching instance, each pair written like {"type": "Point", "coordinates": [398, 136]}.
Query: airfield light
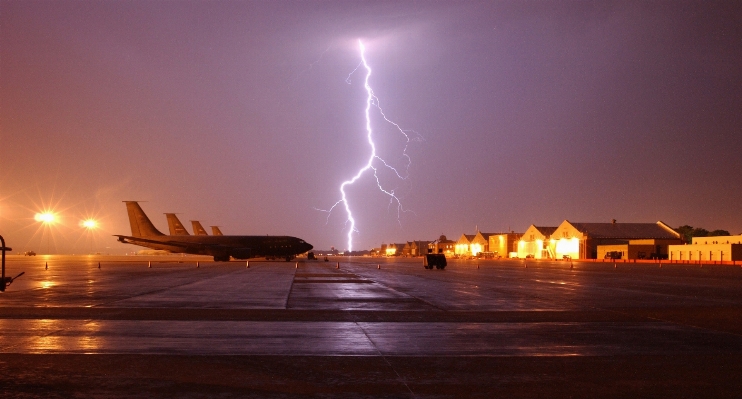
{"type": "Point", "coordinates": [45, 217]}
{"type": "Point", "coordinates": [89, 224]}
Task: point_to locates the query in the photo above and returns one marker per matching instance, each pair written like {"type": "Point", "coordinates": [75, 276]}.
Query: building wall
{"type": "Point", "coordinates": [443, 246]}
{"type": "Point", "coordinates": [710, 252]}
{"type": "Point", "coordinates": [628, 251]}
{"type": "Point", "coordinates": [478, 244]}
{"type": "Point", "coordinates": [535, 244]}
{"type": "Point", "coordinates": [462, 246]}
{"type": "Point", "coordinates": [568, 241]}
{"type": "Point", "coordinates": [718, 240]}
{"type": "Point", "coordinates": [503, 244]}
{"type": "Point", "coordinates": [419, 248]}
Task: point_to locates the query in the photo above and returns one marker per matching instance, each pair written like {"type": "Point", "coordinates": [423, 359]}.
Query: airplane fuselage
{"type": "Point", "coordinates": [222, 247]}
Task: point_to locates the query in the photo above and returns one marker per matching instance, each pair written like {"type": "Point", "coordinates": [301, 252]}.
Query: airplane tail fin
{"type": "Point", "coordinates": [176, 228]}
{"type": "Point", "coordinates": [215, 230]}
{"type": "Point", "coordinates": [198, 229]}
{"type": "Point", "coordinates": [140, 223]}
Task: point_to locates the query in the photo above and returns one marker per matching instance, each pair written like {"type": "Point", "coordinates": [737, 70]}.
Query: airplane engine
{"type": "Point", "coordinates": [241, 253]}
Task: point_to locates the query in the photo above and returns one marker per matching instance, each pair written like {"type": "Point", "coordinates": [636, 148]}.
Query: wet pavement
{"type": "Point", "coordinates": [387, 327]}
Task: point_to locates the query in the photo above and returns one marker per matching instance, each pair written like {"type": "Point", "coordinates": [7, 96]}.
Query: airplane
{"type": "Point", "coordinates": [176, 228]}
{"type": "Point", "coordinates": [144, 233]}
{"type": "Point", "coordinates": [198, 229]}
{"type": "Point", "coordinates": [215, 230]}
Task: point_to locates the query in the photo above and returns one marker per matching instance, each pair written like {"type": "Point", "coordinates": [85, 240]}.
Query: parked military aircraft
{"type": "Point", "coordinates": [176, 228]}
{"type": "Point", "coordinates": [144, 233]}
{"type": "Point", "coordinates": [197, 228]}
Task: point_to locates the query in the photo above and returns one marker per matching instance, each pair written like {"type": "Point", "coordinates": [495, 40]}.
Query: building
{"type": "Point", "coordinates": [480, 243]}
{"type": "Point", "coordinates": [717, 248]}
{"type": "Point", "coordinates": [637, 249]}
{"type": "Point", "coordinates": [417, 248]}
{"type": "Point", "coordinates": [407, 250]}
{"type": "Point", "coordinates": [535, 243]}
{"type": "Point", "coordinates": [442, 246]}
{"type": "Point", "coordinates": [581, 240]}
{"type": "Point", "coordinates": [462, 245]}
{"type": "Point", "coordinates": [395, 249]}
{"type": "Point", "coordinates": [502, 244]}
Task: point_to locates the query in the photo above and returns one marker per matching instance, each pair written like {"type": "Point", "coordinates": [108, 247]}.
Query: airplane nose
{"type": "Point", "coordinates": [308, 247]}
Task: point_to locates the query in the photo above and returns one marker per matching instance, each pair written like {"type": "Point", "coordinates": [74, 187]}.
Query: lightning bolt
{"type": "Point", "coordinates": [373, 101]}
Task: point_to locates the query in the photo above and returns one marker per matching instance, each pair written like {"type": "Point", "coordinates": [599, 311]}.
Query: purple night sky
{"type": "Point", "coordinates": [237, 113]}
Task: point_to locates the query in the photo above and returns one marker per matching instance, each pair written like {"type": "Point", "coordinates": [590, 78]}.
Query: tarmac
{"type": "Point", "coordinates": [367, 327]}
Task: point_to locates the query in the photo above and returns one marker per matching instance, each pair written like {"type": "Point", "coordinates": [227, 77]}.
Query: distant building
{"type": "Point", "coordinates": [394, 249]}
{"type": "Point", "coordinates": [581, 240]}
{"type": "Point", "coordinates": [480, 243]}
{"type": "Point", "coordinates": [535, 243]}
{"type": "Point", "coordinates": [407, 249]}
{"type": "Point", "coordinates": [717, 248]}
{"type": "Point", "coordinates": [463, 245]}
{"type": "Point", "coordinates": [415, 248]}
{"type": "Point", "coordinates": [442, 246]}
{"type": "Point", "coordinates": [637, 249]}
{"type": "Point", "coordinates": [331, 252]}
{"type": "Point", "coordinates": [501, 244]}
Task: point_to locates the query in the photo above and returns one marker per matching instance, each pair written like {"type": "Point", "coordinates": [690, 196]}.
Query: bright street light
{"type": "Point", "coordinates": [89, 224]}
{"type": "Point", "coordinates": [45, 217]}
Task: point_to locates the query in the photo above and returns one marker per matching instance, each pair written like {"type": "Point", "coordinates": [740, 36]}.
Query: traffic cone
{"type": "Point", "coordinates": [197, 265]}
{"type": "Point", "coordinates": [46, 266]}
{"type": "Point", "coordinates": [337, 265]}
{"type": "Point", "coordinates": [247, 264]}
{"type": "Point", "coordinates": [378, 266]}
{"type": "Point", "coordinates": [98, 265]}
{"type": "Point", "coordinates": [149, 264]}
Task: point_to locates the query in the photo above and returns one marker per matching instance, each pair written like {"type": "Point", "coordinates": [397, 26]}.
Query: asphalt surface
{"type": "Point", "coordinates": [372, 327]}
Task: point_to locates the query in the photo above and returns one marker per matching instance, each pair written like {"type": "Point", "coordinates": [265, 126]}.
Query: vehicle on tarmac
{"type": "Point", "coordinates": [222, 248]}
{"type": "Point", "coordinates": [437, 261]}
{"type": "Point", "coordinates": [29, 253]}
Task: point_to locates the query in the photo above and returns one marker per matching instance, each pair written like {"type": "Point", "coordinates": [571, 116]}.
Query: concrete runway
{"type": "Point", "coordinates": [278, 330]}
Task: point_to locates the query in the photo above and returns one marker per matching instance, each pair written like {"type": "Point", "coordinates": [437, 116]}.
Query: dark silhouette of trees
{"type": "Point", "coordinates": [688, 232]}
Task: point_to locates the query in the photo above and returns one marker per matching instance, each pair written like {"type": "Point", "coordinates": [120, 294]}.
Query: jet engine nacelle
{"type": "Point", "coordinates": [241, 253]}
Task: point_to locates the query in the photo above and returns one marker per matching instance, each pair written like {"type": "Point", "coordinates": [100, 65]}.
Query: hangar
{"type": "Point", "coordinates": [582, 240]}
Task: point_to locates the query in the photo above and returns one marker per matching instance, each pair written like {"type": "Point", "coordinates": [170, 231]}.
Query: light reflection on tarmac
{"type": "Point", "coordinates": [275, 308]}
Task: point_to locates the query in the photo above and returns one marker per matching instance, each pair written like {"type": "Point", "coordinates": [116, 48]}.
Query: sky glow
{"type": "Point", "coordinates": [239, 114]}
